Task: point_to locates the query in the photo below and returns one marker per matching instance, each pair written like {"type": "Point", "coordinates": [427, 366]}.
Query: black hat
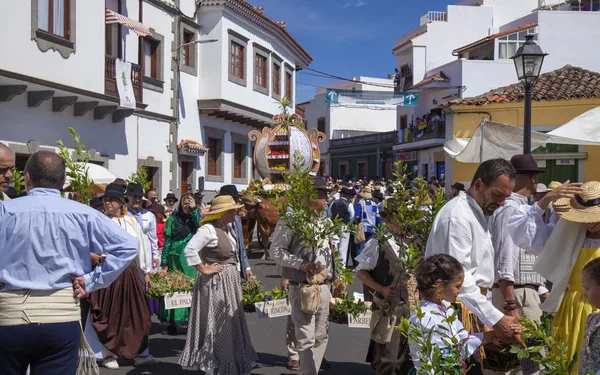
{"type": "Point", "coordinates": [348, 191]}
{"type": "Point", "coordinates": [458, 186]}
{"type": "Point", "coordinates": [96, 202]}
{"type": "Point", "coordinates": [171, 196]}
{"type": "Point", "coordinates": [525, 164]}
{"type": "Point", "coordinates": [135, 189]}
{"type": "Point", "coordinates": [377, 194]}
{"type": "Point", "coordinates": [114, 191]}
{"type": "Point", "coordinates": [229, 190]}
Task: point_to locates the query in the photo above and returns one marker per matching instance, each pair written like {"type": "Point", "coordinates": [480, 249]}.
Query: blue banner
{"type": "Point", "coordinates": [357, 97]}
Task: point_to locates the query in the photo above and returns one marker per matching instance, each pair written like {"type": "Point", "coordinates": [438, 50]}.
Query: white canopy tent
{"type": "Point", "coordinates": [97, 174]}
{"type": "Point", "coordinates": [493, 140]}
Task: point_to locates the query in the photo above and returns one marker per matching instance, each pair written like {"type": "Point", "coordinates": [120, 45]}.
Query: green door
{"type": "Point", "coordinates": [560, 171]}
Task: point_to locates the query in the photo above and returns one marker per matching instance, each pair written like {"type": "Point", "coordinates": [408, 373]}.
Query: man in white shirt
{"type": "Point", "coordinates": [461, 230]}
{"type": "Point", "coordinates": [335, 193]}
{"type": "Point", "coordinates": [344, 209]}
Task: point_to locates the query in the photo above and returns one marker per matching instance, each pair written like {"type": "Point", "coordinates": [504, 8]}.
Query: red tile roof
{"type": "Point", "coordinates": [407, 41]}
{"type": "Point", "coordinates": [565, 83]}
{"type": "Point", "coordinates": [494, 36]}
{"type": "Point", "coordinates": [193, 145]}
{"type": "Point", "coordinates": [438, 77]}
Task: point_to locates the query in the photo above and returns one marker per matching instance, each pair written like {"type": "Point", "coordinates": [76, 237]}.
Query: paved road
{"type": "Point", "coordinates": [346, 350]}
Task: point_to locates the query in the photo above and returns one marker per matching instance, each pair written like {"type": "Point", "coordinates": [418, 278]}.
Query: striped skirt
{"type": "Point", "coordinates": [218, 339]}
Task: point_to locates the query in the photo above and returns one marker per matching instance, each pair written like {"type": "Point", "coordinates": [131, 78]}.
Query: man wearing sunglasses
{"type": "Point", "coordinates": [7, 163]}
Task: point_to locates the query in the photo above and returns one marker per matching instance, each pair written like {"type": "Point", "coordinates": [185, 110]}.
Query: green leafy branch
{"type": "Point", "coordinates": [433, 359]}
{"type": "Point", "coordinates": [77, 170]}
{"type": "Point", "coordinates": [18, 181]}
{"type": "Point", "coordinates": [543, 349]}
{"type": "Point", "coordinates": [141, 177]}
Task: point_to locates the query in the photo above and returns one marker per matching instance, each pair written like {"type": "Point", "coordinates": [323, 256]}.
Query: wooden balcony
{"type": "Point", "coordinates": [110, 84]}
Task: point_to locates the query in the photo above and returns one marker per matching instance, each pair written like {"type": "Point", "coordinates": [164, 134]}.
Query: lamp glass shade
{"type": "Point", "coordinates": [528, 61]}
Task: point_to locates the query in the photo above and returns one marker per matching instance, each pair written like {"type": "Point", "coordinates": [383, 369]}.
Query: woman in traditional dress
{"type": "Point", "coordinates": [180, 228]}
{"type": "Point", "coordinates": [218, 341]}
{"type": "Point", "coordinates": [119, 320]}
{"type": "Point", "coordinates": [574, 242]}
{"type": "Point", "coordinates": [379, 269]}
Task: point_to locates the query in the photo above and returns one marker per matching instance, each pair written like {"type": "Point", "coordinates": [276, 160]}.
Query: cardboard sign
{"type": "Point", "coordinates": [362, 321]}
{"type": "Point", "coordinates": [273, 309]}
{"type": "Point", "coordinates": [178, 300]}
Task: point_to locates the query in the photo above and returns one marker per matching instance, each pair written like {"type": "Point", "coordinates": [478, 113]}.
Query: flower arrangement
{"type": "Point", "coordinates": [253, 292]}
{"type": "Point", "coordinates": [343, 305]}
{"type": "Point", "coordinates": [279, 167]}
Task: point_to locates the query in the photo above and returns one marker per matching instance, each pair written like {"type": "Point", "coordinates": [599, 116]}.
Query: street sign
{"type": "Point", "coordinates": [178, 300]}
{"type": "Point", "coordinates": [273, 309]}
{"type": "Point", "coordinates": [359, 97]}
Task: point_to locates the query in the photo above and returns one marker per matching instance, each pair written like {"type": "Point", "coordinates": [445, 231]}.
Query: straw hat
{"type": "Point", "coordinates": [223, 203]}
{"type": "Point", "coordinates": [553, 185]}
{"type": "Point", "coordinates": [583, 208]}
{"type": "Point", "coordinates": [366, 193]}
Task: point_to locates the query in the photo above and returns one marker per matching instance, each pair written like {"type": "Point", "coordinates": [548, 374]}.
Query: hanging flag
{"type": "Point", "coordinates": [421, 130]}
{"type": "Point", "coordinates": [124, 84]}
{"type": "Point", "coordinates": [404, 136]}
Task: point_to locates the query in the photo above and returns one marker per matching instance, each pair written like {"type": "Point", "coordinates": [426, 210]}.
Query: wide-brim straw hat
{"type": "Point", "coordinates": [584, 207]}
{"type": "Point", "coordinates": [223, 203]}
{"type": "Point", "coordinates": [553, 185]}
{"type": "Point", "coordinates": [366, 193]}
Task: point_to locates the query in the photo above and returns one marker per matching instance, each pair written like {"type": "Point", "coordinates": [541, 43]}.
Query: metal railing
{"type": "Point", "coordinates": [413, 134]}
{"type": "Point", "coordinates": [362, 140]}
{"type": "Point", "coordinates": [110, 83]}
{"type": "Point", "coordinates": [433, 16]}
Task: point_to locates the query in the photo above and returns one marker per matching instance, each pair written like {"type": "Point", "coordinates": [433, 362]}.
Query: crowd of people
{"type": "Point", "coordinates": [73, 278]}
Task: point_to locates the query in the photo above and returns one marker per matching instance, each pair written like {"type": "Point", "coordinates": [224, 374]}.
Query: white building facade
{"type": "Point", "coordinates": [339, 121]}
{"type": "Point", "coordinates": [466, 50]}
{"type": "Point", "coordinates": [187, 98]}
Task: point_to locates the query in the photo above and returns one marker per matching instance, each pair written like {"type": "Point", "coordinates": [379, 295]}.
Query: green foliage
{"type": "Point", "coordinates": [347, 305]}
{"type": "Point", "coordinates": [169, 283]}
{"type": "Point", "coordinates": [253, 292]}
{"type": "Point", "coordinates": [77, 171]}
{"type": "Point", "coordinates": [412, 211]}
{"type": "Point", "coordinates": [18, 181]}
{"type": "Point", "coordinates": [141, 177]}
{"type": "Point", "coordinates": [433, 360]}
{"type": "Point", "coordinates": [255, 187]}
{"type": "Point", "coordinates": [543, 349]}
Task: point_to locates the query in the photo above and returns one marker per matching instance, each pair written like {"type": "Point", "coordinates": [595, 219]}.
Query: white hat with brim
{"type": "Point", "coordinates": [223, 203]}
{"type": "Point", "coordinates": [541, 188]}
{"type": "Point", "coordinates": [584, 207]}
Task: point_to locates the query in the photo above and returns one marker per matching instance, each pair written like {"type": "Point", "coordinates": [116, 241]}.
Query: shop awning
{"type": "Point", "coordinates": [135, 26]}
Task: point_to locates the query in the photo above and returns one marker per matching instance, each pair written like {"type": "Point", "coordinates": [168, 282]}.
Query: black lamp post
{"type": "Point", "coordinates": [528, 62]}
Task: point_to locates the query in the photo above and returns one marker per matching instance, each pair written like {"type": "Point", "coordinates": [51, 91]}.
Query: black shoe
{"type": "Point", "coordinates": [172, 330]}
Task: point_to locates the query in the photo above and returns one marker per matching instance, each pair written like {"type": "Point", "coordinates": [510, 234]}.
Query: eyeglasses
{"type": "Point", "coordinates": [6, 169]}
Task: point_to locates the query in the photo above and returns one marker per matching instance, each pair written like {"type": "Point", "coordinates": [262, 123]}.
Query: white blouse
{"type": "Point", "coordinates": [370, 255]}
{"type": "Point", "coordinates": [432, 322]}
{"type": "Point", "coordinates": [144, 257]}
{"type": "Point", "coordinates": [206, 236]}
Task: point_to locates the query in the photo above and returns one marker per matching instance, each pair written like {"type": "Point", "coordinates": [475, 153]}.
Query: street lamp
{"type": "Point", "coordinates": [528, 62]}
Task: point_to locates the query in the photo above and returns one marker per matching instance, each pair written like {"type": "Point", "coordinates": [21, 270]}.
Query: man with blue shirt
{"type": "Point", "coordinates": [45, 246]}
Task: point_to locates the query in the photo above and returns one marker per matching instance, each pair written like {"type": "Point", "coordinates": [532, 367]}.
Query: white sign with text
{"type": "Point", "coordinates": [362, 321]}
{"type": "Point", "coordinates": [273, 309]}
{"type": "Point", "coordinates": [178, 300]}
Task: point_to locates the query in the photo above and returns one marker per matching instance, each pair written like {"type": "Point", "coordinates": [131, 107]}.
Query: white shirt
{"type": "Point", "coordinates": [144, 258]}
{"type": "Point", "coordinates": [333, 196]}
{"type": "Point", "coordinates": [527, 228]}
{"type": "Point", "coordinates": [461, 230]}
{"type": "Point", "coordinates": [370, 255]}
{"type": "Point", "coordinates": [206, 236]}
{"type": "Point", "coordinates": [148, 227]}
{"type": "Point", "coordinates": [433, 322]}
{"type": "Point", "coordinates": [512, 263]}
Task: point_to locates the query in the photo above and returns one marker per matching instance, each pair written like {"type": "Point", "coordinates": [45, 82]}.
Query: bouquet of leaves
{"type": "Point", "coordinates": [542, 348]}
{"type": "Point", "coordinates": [169, 283]}
{"type": "Point", "coordinates": [412, 209]}
{"type": "Point", "coordinates": [344, 305]}
{"type": "Point", "coordinates": [253, 292]}
{"type": "Point", "coordinates": [77, 170]}
{"type": "Point", "coordinates": [434, 360]}
{"type": "Point", "coordinates": [141, 177]}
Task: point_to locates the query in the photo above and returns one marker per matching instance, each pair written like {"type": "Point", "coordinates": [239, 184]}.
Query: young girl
{"type": "Point", "coordinates": [589, 358]}
{"type": "Point", "coordinates": [439, 281]}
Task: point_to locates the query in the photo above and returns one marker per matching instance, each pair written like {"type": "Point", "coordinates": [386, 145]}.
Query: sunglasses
{"type": "Point", "coordinates": [6, 169]}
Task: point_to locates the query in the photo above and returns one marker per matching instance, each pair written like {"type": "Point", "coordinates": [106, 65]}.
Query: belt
{"type": "Point", "coordinates": [521, 286]}
{"type": "Point", "coordinates": [295, 283]}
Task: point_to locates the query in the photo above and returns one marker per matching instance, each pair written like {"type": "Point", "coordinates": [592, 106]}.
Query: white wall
{"type": "Point", "coordinates": [570, 38]}
{"type": "Point", "coordinates": [83, 69]}
{"type": "Point", "coordinates": [506, 11]}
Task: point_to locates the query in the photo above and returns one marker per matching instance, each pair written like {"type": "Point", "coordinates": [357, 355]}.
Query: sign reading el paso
{"type": "Point", "coordinates": [358, 97]}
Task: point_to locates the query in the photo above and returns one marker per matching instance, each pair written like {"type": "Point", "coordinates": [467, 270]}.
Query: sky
{"type": "Point", "coordinates": [348, 38]}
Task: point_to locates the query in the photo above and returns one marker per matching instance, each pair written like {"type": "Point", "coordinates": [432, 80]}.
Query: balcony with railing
{"type": "Point", "coordinates": [110, 83]}
{"type": "Point", "coordinates": [426, 134]}
{"type": "Point", "coordinates": [571, 5]}
{"type": "Point", "coordinates": [433, 16]}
